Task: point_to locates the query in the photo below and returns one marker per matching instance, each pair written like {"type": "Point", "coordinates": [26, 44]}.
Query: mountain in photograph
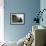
{"type": "Point", "coordinates": [16, 18]}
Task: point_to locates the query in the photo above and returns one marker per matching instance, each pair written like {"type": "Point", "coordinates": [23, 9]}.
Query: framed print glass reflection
{"type": "Point", "coordinates": [17, 18]}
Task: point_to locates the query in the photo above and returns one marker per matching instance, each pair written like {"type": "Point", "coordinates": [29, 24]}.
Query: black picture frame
{"type": "Point", "coordinates": [17, 18]}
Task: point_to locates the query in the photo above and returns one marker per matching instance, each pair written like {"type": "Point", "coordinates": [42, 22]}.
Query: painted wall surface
{"type": "Point", "coordinates": [29, 7]}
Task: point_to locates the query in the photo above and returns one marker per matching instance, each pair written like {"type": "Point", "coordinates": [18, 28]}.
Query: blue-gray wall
{"type": "Point", "coordinates": [29, 7]}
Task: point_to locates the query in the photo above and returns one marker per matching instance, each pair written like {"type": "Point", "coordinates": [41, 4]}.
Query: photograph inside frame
{"type": "Point", "coordinates": [17, 18]}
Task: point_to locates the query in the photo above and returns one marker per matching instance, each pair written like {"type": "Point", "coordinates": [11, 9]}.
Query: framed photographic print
{"type": "Point", "coordinates": [17, 18]}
